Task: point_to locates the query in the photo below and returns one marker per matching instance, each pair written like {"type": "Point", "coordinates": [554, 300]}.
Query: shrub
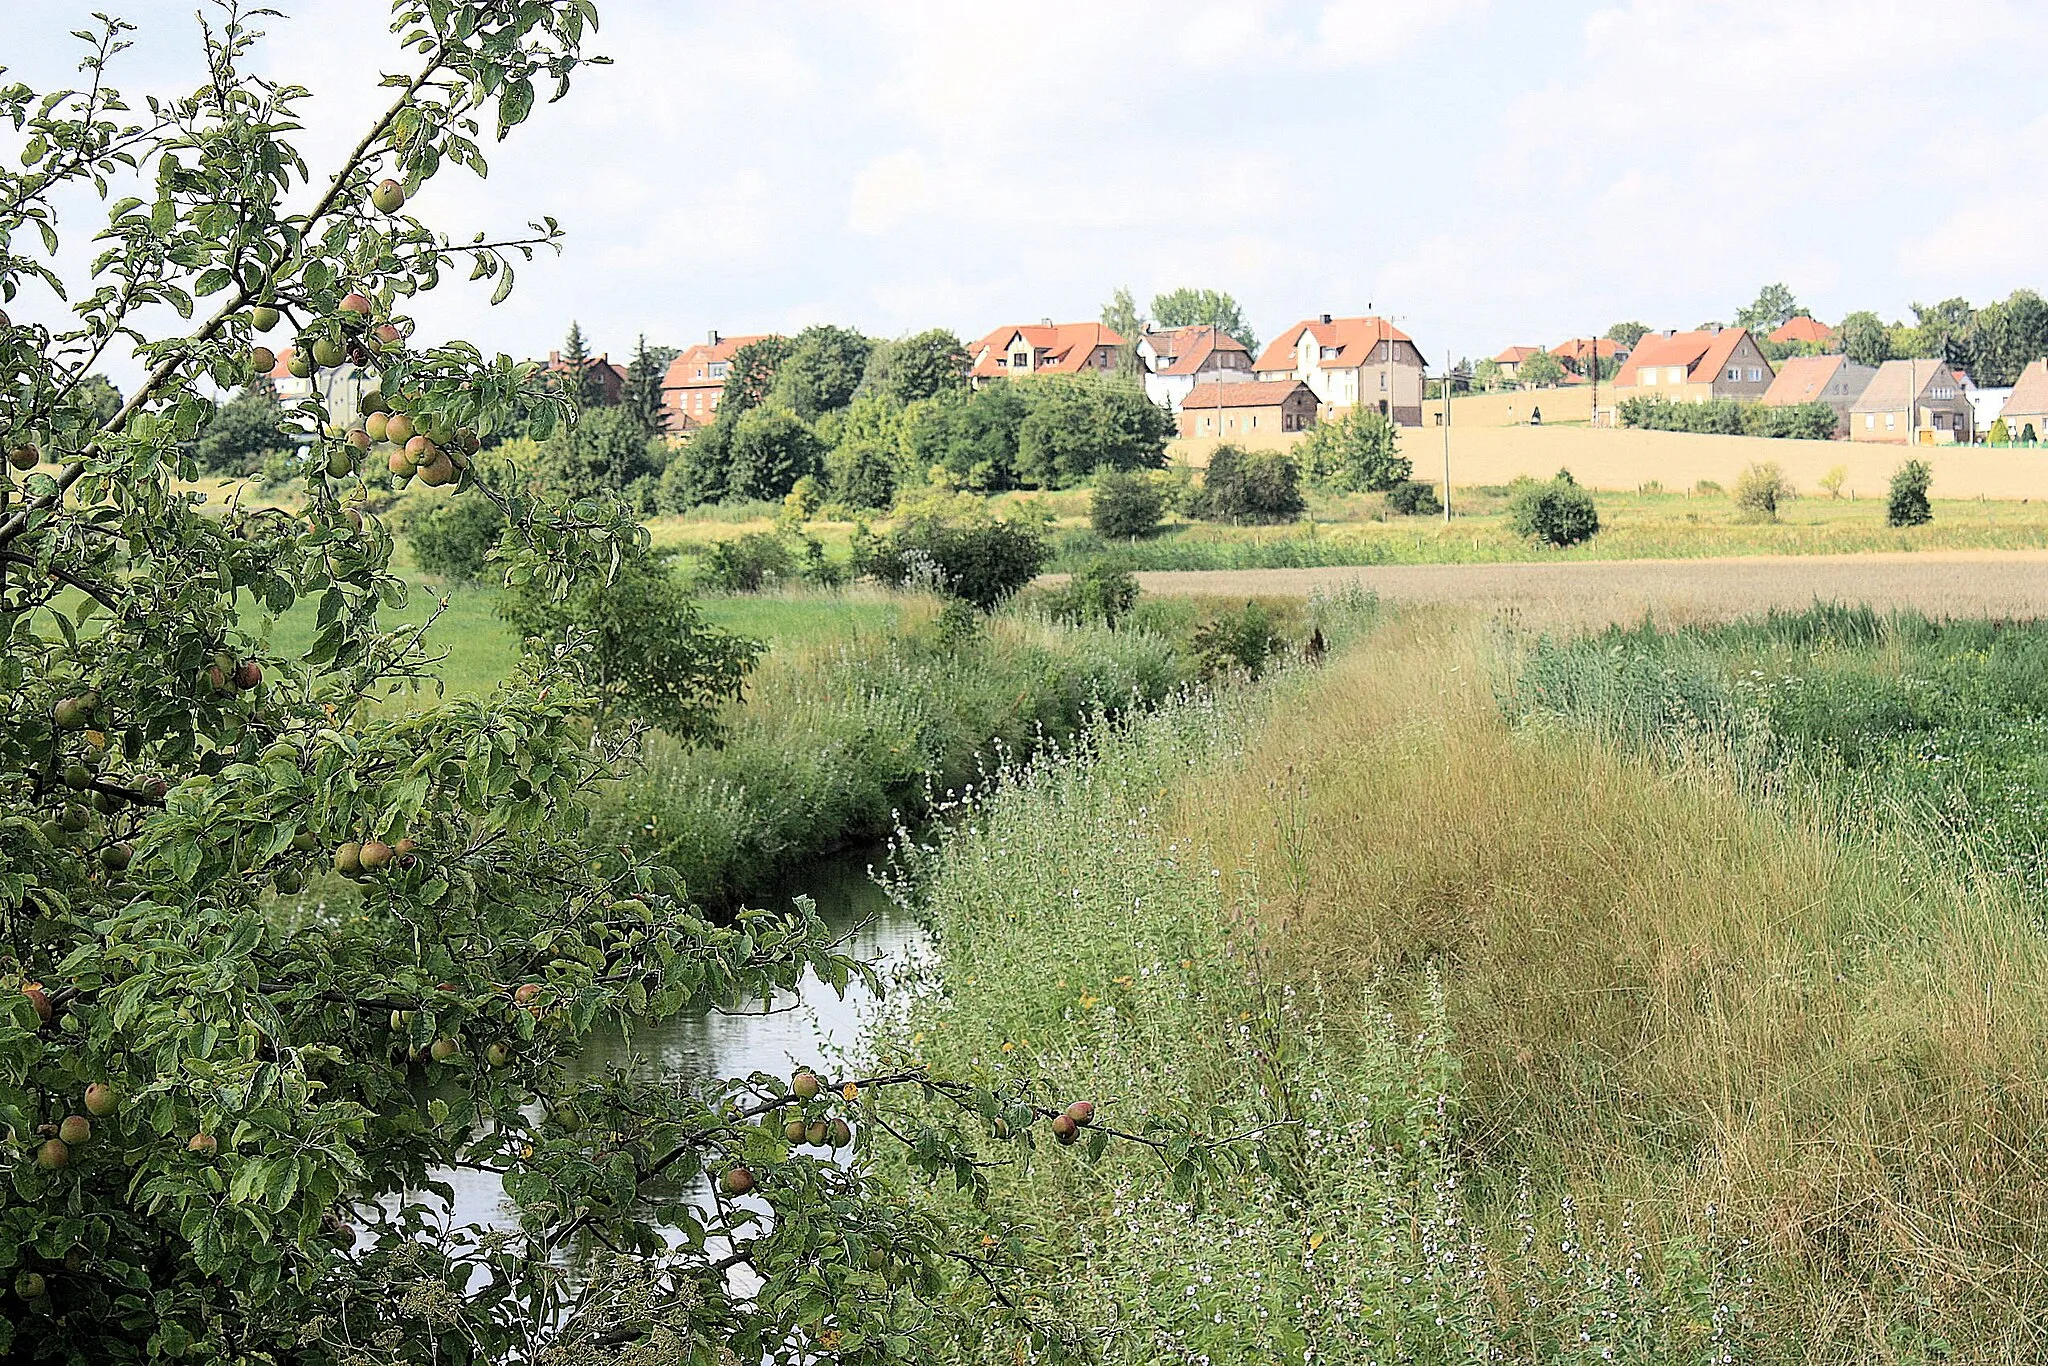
{"type": "Point", "coordinates": [1908, 505]}
{"type": "Point", "coordinates": [1249, 486]}
{"type": "Point", "coordinates": [1355, 453]}
{"type": "Point", "coordinates": [1102, 592]}
{"type": "Point", "coordinates": [2027, 436]}
{"type": "Point", "coordinates": [1831, 483]}
{"type": "Point", "coordinates": [980, 559]}
{"type": "Point", "coordinates": [1126, 505]}
{"type": "Point", "coordinates": [1759, 489]}
{"type": "Point", "coordinates": [747, 564]}
{"type": "Point", "coordinates": [861, 474]}
{"type": "Point", "coordinates": [1237, 641]}
{"type": "Point", "coordinates": [2000, 434]}
{"type": "Point", "coordinates": [452, 537]}
{"type": "Point", "coordinates": [1414, 498]}
{"type": "Point", "coordinates": [652, 656]}
{"type": "Point", "coordinates": [1558, 513]}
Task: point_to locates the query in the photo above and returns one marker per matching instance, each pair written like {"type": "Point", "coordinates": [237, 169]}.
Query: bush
{"type": "Point", "coordinates": [1760, 488]}
{"type": "Point", "coordinates": [1908, 505]}
{"type": "Point", "coordinates": [1102, 592]}
{"type": "Point", "coordinates": [1356, 453]}
{"type": "Point", "coordinates": [1558, 513]}
{"type": "Point", "coordinates": [747, 564]}
{"type": "Point", "coordinates": [653, 657]}
{"type": "Point", "coordinates": [1249, 486]}
{"type": "Point", "coordinates": [1126, 505]}
{"type": "Point", "coordinates": [452, 537]}
{"type": "Point", "coordinates": [1237, 641]}
{"type": "Point", "coordinates": [980, 559]}
{"type": "Point", "coordinates": [1414, 498]}
{"type": "Point", "coordinates": [861, 474]}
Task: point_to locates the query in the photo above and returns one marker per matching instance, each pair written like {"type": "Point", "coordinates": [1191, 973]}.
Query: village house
{"type": "Point", "coordinates": [1802, 331]}
{"type": "Point", "coordinates": [1834, 380]}
{"type": "Point", "coordinates": [340, 387]}
{"type": "Point", "coordinates": [691, 386]}
{"type": "Point", "coordinates": [1247, 408]}
{"type": "Point", "coordinates": [1913, 401]}
{"type": "Point", "coordinates": [2026, 408]}
{"type": "Point", "coordinates": [611, 380]}
{"type": "Point", "coordinates": [1579, 351]}
{"type": "Point", "coordinates": [1347, 362]}
{"type": "Point", "coordinates": [1510, 361]}
{"type": "Point", "coordinates": [1695, 367]}
{"type": "Point", "coordinates": [1047, 348]}
{"type": "Point", "coordinates": [1176, 359]}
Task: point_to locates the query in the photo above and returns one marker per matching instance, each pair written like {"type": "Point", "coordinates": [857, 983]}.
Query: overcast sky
{"type": "Point", "coordinates": [1485, 173]}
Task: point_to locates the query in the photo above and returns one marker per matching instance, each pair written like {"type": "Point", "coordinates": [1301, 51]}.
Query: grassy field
{"type": "Point", "coordinates": [1566, 1051]}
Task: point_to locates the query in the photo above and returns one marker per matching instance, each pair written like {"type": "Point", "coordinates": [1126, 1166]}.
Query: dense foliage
{"type": "Point", "coordinates": [452, 537]}
{"type": "Point", "coordinates": [1126, 505]}
{"type": "Point", "coordinates": [1906, 504]}
{"type": "Point", "coordinates": [1558, 512]}
{"type": "Point", "coordinates": [248, 1098]}
{"type": "Point", "coordinates": [1358, 452]}
{"type": "Point", "coordinates": [1414, 498]}
{"type": "Point", "coordinates": [1760, 488]}
{"type": "Point", "coordinates": [968, 554]}
{"type": "Point", "coordinates": [1249, 486]}
{"type": "Point", "coordinates": [1730, 417]}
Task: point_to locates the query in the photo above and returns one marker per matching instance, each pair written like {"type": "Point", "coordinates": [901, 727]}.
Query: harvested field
{"type": "Point", "coordinates": [1972, 583]}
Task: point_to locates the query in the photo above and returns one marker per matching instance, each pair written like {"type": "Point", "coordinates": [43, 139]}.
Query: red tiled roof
{"type": "Point", "coordinates": [1802, 329]}
{"type": "Point", "coordinates": [690, 369]}
{"type": "Point", "coordinates": [282, 370]}
{"type": "Point", "coordinates": [1187, 349]}
{"type": "Point", "coordinates": [1066, 347]}
{"type": "Point", "coordinates": [1578, 347]}
{"type": "Point", "coordinates": [1515, 355]}
{"type": "Point", "coordinates": [1701, 353]}
{"type": "Point", "coordinates": [1803, 379]}
{"type": "Point", "coordinates": [1354, 339]}
{"type": "Point", "coordinates": [1250, 393]}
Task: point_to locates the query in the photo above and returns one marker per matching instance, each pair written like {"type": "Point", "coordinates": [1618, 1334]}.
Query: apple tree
{"type": "Point", "coordinates": [229, 1107]}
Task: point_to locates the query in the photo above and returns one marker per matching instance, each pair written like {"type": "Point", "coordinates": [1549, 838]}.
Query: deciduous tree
{"type": "Point", "coordinates": [1187, 307]}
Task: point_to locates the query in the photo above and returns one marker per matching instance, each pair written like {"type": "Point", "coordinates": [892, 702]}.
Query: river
{"type": "Point", "coordinates": [812, 1024]}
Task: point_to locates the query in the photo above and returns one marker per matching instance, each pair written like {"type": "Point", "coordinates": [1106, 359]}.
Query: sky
{"type": "Point", "coordinates": [1484, 173]}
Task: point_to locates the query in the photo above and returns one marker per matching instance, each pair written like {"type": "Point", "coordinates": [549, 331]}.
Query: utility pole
{"type": "Point", "coordinates": [1593, 359]}
{"type": "Point", "coordinates": [1450, 368]}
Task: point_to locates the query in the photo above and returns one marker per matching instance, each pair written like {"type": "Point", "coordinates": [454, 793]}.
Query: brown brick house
{"type": "Point", "coordinates": [1248, 409]}
{"type": "Point", "coordinates": [695, 379]}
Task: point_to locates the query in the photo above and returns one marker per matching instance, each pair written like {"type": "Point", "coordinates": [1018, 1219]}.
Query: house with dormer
{"type": "Point", "coordinates": [1176, 359]}
{"type": "Point", "coordinates": [695, 379]}
{"type": "Point", "coordinates": [1047, 348]}
{"type": "Point", "coordinates": [1346, 362]}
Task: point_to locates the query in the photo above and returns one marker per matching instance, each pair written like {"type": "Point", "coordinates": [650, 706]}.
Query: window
{"type": "Point", "coordinates": [1756, 374]}
{"type": "Point", "coordinates": [1675, 374]}
{"type": "Point", "coordinates": [1891, 420]}
{"type": "Point", "coordinates": [718, 369]}
{"type": "Point", "coordinates": [1329, 353]}
{"type": "Point", "coordinates": [1734, 374]}
{"type": "Point", "coordinates": [1383, 379]}
{"type": "Point", "coordinates": [1869, 422]}
{"type": "Point", "coordinates": [1020, 360]}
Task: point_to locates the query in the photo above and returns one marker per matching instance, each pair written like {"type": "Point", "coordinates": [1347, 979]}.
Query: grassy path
{"type": "Point", "coordinates": [1946, 583]}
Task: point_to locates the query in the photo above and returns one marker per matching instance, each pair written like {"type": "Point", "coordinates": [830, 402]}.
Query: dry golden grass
{"type": "Point", "coordinates": [1940, 583]}
{"type": "Point", "coordinates": [1664, 995]}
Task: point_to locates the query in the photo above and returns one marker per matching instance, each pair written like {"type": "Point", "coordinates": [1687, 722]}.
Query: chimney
{"type": "Point", "coordinates": [1326, 319]}
{"type": "Point", "coordinates": [555, 359]}
{"type": "Point", "coordinates": [714, 337]}
{"type": "Point", "coordinates": [1045, 322]}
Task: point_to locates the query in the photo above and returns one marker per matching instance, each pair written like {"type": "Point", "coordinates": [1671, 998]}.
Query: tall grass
{"type": "Point", "coordinates": [1080, 938]}
{"type": "Point", "coordinates": [1663, 997]}
{"type": "Point", "coordinates": [838, 744]}
{"type": "Point", "coordinates": [1925, 737]}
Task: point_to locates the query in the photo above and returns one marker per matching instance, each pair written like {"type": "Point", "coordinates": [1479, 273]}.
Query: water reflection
{"type": "Point", "coordinates": [812, 1025]}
